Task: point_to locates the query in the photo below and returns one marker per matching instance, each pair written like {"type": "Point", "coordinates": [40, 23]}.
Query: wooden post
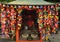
{"type": "Point", "coordinates": [17, 35]}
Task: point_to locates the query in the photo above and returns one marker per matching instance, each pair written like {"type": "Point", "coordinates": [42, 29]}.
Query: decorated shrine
{"type": "Point", "coordinates": [28, 23]}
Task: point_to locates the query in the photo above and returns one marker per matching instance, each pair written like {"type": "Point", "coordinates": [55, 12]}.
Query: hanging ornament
{"type": "Point", "coordinates": [56, 25]}
{"type": "Point", "coordinates": [56, 18]}
{"type": "Point", "coordinates": [37, 6]}
{"type": "Point", "coordinates": [51, 16]}
{"type": "Point", "coordinates": [2, 15]}
{"type": "Point", "coordinates": [19, 25]}
{"type": "Point", "coordinates": [52, 6]}
{"type": "Point", "coordinates": [41, 7]}
{"type": "Point", "coordinates": [41, 17]}
{"type": "Point", "coordinates": [3, 26]}
{"type": "Point", "coordinates": [19, 11]}
{"type": "Point", "coordinates": [45, 8]}
{"type": "Point", "coordinates": [7, 6]}
{"type": "Point", "coordinates": [34, 7]}
{"type": "Point", "coordinates": [19, 28]}
{"type": "Point", "coordinates": [11, 7]}
{"type": "Point", "coordinates": [22, 7]}
{"type": "Point", "coordinates": [4, 19]}
{"type": "Point", "coordinates": [30, 6]}
{"type": "Point", "coordinates": [45, 12]}
{"type": "Point", "coordinates": [57, 13]}
{"type": "Point", "coordinates": [41, 25]}
{"type": "Point", "coordinates": [15, 6]}
{"type": "Point", "coordinates": [48, 7]}
{"type": "Point", "coordinates": [2, 9]}
{"type": "Point", "coordinates": [48, 12]}
{"type": "Point", "coordinates": [4, 5]}
{"type": "Point", "coordinates": [12, 10]}
{"type": "Point", "coordinates": [7, 10]}
{"type": "Point", "coordinates": [45, 16]}
{"type": "Point", "coordinates": [40, 28]}
{"type": "Point", "coordinates": [3, 22]}
{"type": "Point", "coordinates": [0, 4]}
{"type": "Point", "coordinates": [58, 4]}
{"type": "Point", "coordinates": [40, 21]}
{"type": "Point", "coordinates": [19, 6]}
{"type": "Point", "coordinates": [26, 7]}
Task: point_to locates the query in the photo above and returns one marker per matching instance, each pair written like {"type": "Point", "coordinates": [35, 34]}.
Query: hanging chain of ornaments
{"type": "Point", "coordinates": [48, 19]}
{"type": "Point", "coordinates": [19, 18]}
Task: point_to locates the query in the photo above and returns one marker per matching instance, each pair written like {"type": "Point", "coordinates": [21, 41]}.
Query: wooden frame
{"type": "Point", "coordinates": [17, 36]}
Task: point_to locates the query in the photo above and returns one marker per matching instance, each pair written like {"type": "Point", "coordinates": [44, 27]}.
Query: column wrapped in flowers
{"type": "Point", "coordinates": [3, 20]}
{"type": "Point", "coordinates": [19, 17]}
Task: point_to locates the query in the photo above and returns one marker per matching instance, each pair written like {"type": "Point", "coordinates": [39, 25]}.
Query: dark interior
{"type": "Point", "coordinates": [29, 28]}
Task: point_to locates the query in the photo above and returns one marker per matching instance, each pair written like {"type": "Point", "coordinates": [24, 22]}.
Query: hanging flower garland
{"type": "Point", "coordinates": [19, 18]}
